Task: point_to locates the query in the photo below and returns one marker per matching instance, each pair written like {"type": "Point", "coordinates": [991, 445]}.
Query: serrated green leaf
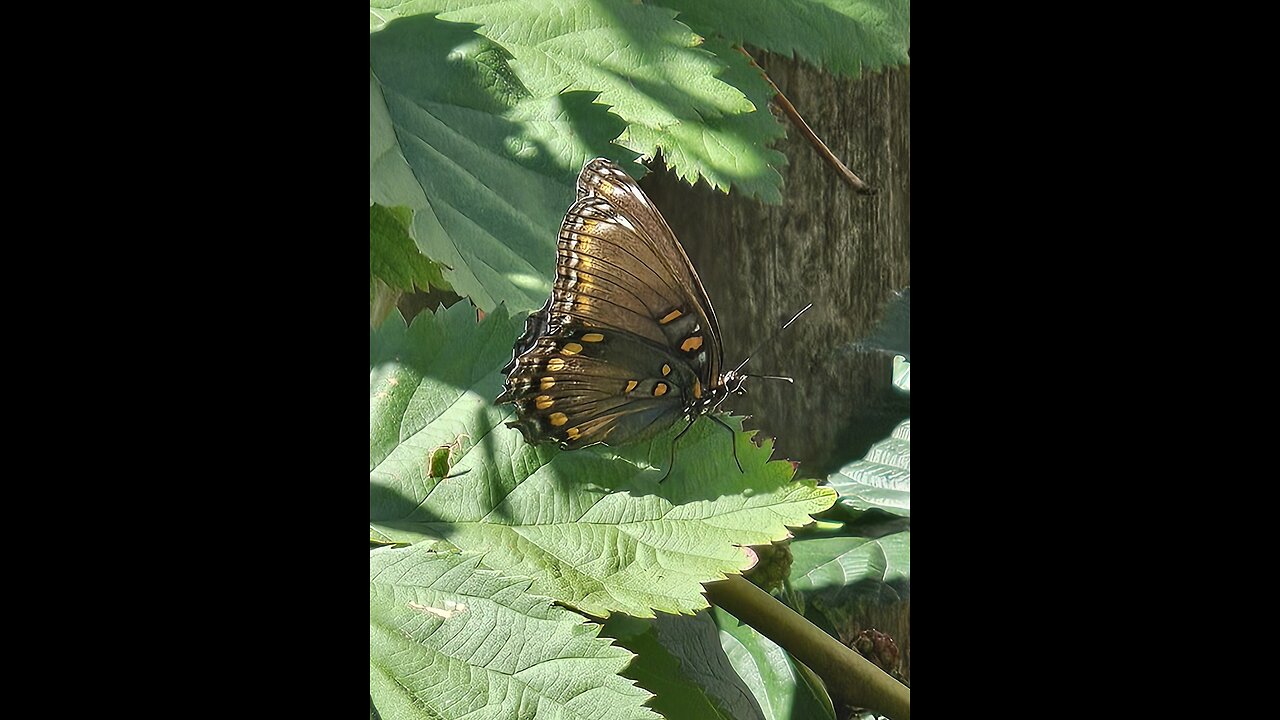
{"type": "Point", "coordinates": [394, 258]}
{"type": "Point", "coordinates": [593, 527]}
{"type": "Point", "coordinates": [487, 169]}
{"type": "Point", "coordinates": [705, 107]}
{"type": "Point", "coordinates": [843, 36]}
{"type": "Point", "coordinates": [732, 151]}
{"type": "Point", "coordinates": [882, 480]}
{"type": "Point", "coordinates": [449, 639]}
{"type": "Point", "coordinates": [643, 63]}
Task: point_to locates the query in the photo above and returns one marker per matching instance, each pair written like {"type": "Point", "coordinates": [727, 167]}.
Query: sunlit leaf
{"type": "Point", "coordinates": [451, 640]}
{"type": "Point", "coordinates": [592, 527]}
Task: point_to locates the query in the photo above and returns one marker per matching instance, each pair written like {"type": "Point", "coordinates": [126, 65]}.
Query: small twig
{"type": "Point", "coordinates": [855, 181]}
{"type": "Point", "coordinates": [850, 678]}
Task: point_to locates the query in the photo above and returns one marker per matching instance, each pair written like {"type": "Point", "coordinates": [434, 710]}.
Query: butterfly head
{"type": "Point", "coordinates": [731, 383]}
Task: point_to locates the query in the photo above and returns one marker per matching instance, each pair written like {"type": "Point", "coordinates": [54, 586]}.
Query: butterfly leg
{"type": "Point", "coordinates": [733, 441]}
{"type": "Point", "coordinates": [672, 466]}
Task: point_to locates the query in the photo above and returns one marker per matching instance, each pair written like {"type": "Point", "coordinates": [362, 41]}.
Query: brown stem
{"type": "Point", "coordinates": [851, 679]}
{"type": "Point", "coordinates": [855, 181]}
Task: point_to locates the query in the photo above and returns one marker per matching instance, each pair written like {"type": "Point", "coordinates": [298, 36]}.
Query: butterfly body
{"type": "Point", "coordinates": [628, 343]}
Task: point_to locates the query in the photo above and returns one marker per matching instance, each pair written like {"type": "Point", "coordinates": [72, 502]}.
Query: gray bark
{"type": "Point", "coordinates": [825, 244]}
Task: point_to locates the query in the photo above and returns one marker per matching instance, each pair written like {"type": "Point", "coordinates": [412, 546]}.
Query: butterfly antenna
{"type": "Point", "coordinates": [766, 340]}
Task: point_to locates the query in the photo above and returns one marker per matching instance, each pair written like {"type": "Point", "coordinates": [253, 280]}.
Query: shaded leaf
{"type": "Point", "coordinates": [487, 169]}
{"type": "Point", "coordinates": [833, 565]}
{"type": "Point", "coordinates": [705, 107]}
{"type": "Point", "coordinates": [778, 681]}
{"type": "Point", "coordinates": [843, 36]}
{"type": "Point", "coordinates": [448, 639]}
{"type": "Point", "coordinates": [882, 480]}
{"type": "Point", "coordinates": [593, 527]}
{"type": "Point", "coordinates": [710, 666]}
{"type": "Point", "coordinates": [680, 660]}
{"type": "Point", "coordinates": [394, 258]}
{"type": "Point", "coordinates": [643, 63]}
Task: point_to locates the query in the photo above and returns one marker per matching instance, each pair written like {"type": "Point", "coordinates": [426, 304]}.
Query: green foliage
{"type": "Point", "coordinates": [593, 527]}
{"type": "Point", "coordinates": [838, 569]}
{"type": "Point", "coordinates": [680, 661]}
{"type": "Point", "coordinates": [773, 565]}
{"type": "Point", "coordinates": [844, 36]}
{"type": "Point", "coordinates": [881, 480]}
{"type": "Point", "coordinates": [729, 151]}
{"type": "Point", "coordinates": [393, 257]}
{"type": "Point", "coordinates": [833, 568]}
{"type": "Point", "coordinates": [778, 681]}
{"type": "Point", "coordinates": [482, 112]}
{"type": "Point", "coordinates": [487, 169]}
{"type": "Point", "coordinates": [449, 639]}
{"type": "Point", "coordinates": [711, 666]}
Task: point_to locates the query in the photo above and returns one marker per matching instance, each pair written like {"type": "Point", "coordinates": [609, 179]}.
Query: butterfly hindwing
{"type": "Point", "coordinates": [584, 386]}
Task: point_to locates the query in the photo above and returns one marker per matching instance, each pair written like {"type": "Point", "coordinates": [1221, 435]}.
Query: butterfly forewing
{"type": "Point", "coordinates": [640, 221]}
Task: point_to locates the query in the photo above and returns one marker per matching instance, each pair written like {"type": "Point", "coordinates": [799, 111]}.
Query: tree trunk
{"type": "Point", "coordinates": [844, 252]}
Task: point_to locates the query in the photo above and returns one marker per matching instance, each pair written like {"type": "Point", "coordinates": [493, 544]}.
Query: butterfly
{"type": "Point", "coordinates": [628, 343]}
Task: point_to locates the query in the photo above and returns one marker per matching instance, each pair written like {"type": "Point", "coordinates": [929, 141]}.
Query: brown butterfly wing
{"type": "Point", "coordinates": [639, 222]}
{"type": "Point", "coordinates": [628, 341]}
{"type": "Point", "coordinates": [588, 385]}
